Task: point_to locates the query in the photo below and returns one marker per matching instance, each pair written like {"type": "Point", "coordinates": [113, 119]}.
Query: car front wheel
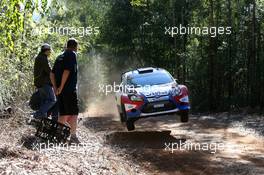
{"type": "Point", "coordinates": [122, 114]}
{"type": "Point", "coordinates": [130, 125]}
{"type": "Point", "coordinates": [184, 116]}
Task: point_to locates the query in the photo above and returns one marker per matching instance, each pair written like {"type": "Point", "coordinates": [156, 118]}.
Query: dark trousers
{"type": "Point", "coordinates": [48, 100]}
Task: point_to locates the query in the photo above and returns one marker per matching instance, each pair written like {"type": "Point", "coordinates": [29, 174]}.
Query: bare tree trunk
{"type": "Point", "coordinates": [252, 58]}
{"type": "Point", "coordinates": [175, 39]}
{"type": "Point", "coordinates": [230, 80]}
{"type": "Point", "coordinates": [211, 65]}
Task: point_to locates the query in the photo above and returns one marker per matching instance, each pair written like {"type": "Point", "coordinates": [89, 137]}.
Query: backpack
{"type": "Point", "coordinates": [35, 101]}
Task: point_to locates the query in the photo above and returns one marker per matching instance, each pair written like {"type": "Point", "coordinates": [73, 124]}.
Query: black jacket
{"type": "Point", "coordinates": [42, 71]}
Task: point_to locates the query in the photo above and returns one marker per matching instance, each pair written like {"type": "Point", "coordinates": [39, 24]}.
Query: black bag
{"type": "Point", "coordinates": [35, 101]}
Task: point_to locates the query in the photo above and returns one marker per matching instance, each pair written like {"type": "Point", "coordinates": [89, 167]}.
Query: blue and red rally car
{"type": "Point", "coordinates": [147, 92]}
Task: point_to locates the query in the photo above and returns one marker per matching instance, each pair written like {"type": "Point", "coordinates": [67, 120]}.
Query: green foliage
{"type": "Point", "coordinates": [138, 2]}
{"type": "Point", "coordinates": [25, 26]}
{"type": "Point", "coordinates": [18, 48]}
{"type": "Point", "coordinates": [221, 72]}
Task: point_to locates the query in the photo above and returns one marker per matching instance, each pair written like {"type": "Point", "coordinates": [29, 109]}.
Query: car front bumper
{"type": "Point", "coordinates": [139, 114]}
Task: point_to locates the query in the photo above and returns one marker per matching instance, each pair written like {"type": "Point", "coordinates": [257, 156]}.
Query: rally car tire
{"type": "Point", "coordinates": [184, 116]}
{"type": "Point", "coordinates": [122, 114]}
{"type": "Point", "coordinates": [130, 125]}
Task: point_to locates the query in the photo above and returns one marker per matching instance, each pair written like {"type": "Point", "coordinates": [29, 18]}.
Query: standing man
{"type": "Point", "coordinates": [64, 77]}
{"type": "Point", "coordinates": [42, 81]}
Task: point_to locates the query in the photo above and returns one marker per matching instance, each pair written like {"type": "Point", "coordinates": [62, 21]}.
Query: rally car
{"type": "Point", "coordinates": [147, 92]}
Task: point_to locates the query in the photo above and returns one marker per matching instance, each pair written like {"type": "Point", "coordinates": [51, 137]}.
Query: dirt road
{"type": "Point", "coordinates": [208, 144]}
{"type": "Point", "coordinates": [218, 144]}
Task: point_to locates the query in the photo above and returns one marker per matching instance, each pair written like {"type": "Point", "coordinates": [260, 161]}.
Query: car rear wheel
{"type": "Point", "coordinates": [184, 116]}
{"type": "Point", "coordinates": [130, 125]}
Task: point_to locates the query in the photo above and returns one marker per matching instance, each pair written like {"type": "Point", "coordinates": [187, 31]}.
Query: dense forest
{"type": "Point", "coordinates": [222, 69]}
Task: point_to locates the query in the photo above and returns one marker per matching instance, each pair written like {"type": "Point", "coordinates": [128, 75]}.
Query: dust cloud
{"type": "Point", "coordinates": [96, 70]}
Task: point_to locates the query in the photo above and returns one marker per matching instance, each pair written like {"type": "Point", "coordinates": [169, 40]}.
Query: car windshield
{"type": "Point", "coordinates": [150, 79]}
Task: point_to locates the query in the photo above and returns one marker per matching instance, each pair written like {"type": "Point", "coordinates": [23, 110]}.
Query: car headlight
{"type": "Point", "coordinates": [135, 98]}
{"type": "Point", "coordinates": [176, 91]}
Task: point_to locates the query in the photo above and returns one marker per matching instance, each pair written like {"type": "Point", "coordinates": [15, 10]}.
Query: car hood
{"type": "Point", "coordinates": [155, 90]}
